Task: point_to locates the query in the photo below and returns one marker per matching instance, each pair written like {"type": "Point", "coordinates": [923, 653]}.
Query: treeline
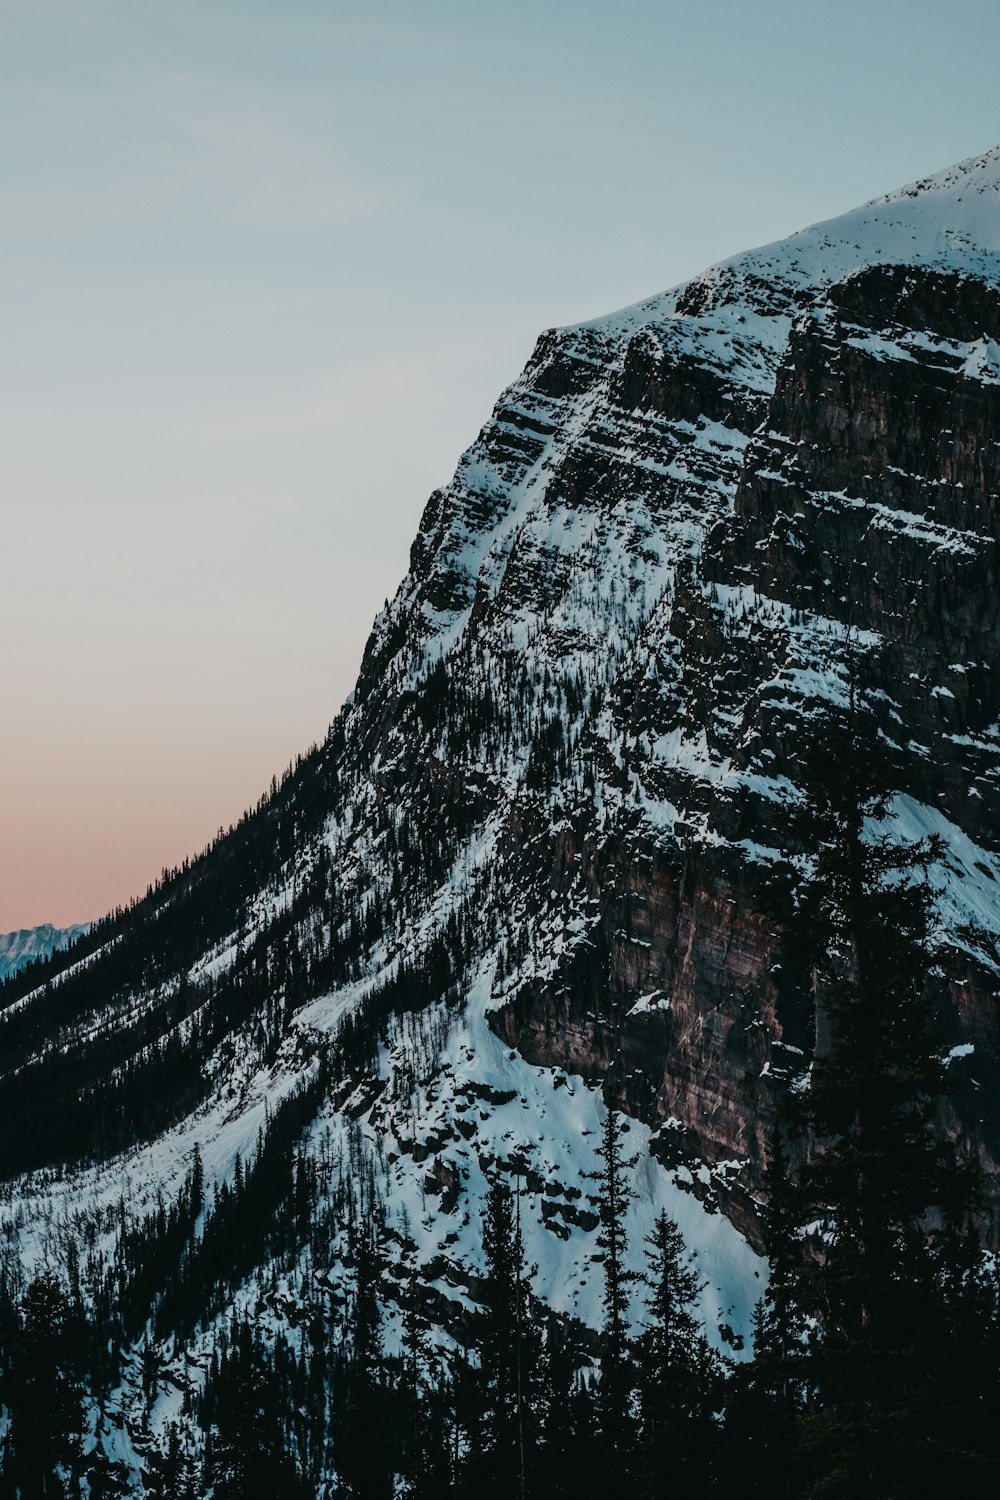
{"type": "Point", "coordinates": [123, 1040]}
{"type": "Point", "coordinates": [515, 1408]}
{"type": "Point", "coordinates": [877, 1348]}
{"type": "Point", "coordinates": [228, 872]}
{"type": "Point", "coordinates": [875, 1371]}
{"type": "Point", "coordinates": [127, 1039]}
{"type": "Point", "coordinates": [520, 1405]}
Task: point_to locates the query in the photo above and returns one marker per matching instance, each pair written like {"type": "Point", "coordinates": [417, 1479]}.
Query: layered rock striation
{"type": "Point", "coordinates": [540, 834]}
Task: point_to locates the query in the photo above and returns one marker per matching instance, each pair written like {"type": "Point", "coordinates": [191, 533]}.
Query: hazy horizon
{"type": "Point", "coordinates": [268, 270]}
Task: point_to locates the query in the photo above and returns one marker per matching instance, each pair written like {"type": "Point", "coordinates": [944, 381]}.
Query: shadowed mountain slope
{"type": "Point", "coordinates": [527, 871]}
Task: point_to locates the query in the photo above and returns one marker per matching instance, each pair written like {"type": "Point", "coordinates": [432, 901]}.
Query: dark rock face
{"type": "Point", "coordinates": [673, 1004]}
{"type": "Point", "coordinates": [556, 794]}
{"type": "Point", "coordinates": [867, 499]}
{"type": "Point", "coordinates": [872, 498]}
{"type": "Point", "coordinates": [536, 845]}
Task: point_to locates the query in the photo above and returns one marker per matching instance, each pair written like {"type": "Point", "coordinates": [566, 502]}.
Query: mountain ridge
{"type": "Point", "coordinates": [524, 877]}
{"type": "Point", "coordinates": [20, 946]}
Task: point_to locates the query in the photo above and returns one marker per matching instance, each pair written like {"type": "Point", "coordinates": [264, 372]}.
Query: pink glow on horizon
{"type": "Point", "coordinates": [102, 839]}
{"type": "Point", "coordinates": [269, 268]}
{"type": "Point", "coordinates": [107, 779]}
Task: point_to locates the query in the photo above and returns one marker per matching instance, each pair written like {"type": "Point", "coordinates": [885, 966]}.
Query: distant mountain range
{"type": "Point", "coordinates": [20, 947]}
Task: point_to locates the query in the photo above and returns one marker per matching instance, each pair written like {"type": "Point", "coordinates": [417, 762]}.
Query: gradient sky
{"type": "Point", "coordinates": [265, 267]}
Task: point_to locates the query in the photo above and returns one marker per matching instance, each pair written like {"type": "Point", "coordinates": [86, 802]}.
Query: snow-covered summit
{"type": "Point", "coordinates": [20, 947]}
{"type": "Point", "coordinates": [520, 883]}
{"type": "Point", "coordinates": [950, 220]}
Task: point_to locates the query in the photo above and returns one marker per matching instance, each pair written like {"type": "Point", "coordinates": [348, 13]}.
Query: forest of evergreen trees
{"type": "Point", "coordinates": [875, 1368]}
{"type": "Point", "coordinates": [869, 1378]}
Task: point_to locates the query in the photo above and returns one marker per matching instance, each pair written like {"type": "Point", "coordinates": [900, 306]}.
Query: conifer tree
{"type": "Point", "coordinates": [362, 1446]}
{"type": "Point", "coordinates": [197, 1185]}
{"type": "Point", "coordinates": [764, 1396]}
{"type": "Point", "coordinates": [460, 1393]}
{"type": "Point", "coordinates": [43, 1394]}
{"type": "Point", "coordinates": [508, 1350]}
{"type": "Point", "coordinates": [881, 1183]}
{"type": "Point", "coordinates": [248, 1456]}
{"type": "Point", "coordinates": [422, 1414]}
{"type": "Point", "coordinates": [162, 1477]}
{"type": "Point", "coordinates": [678, 1378]}
{"type": "Point", "coordinates": [567, 1461]}
{"type": "Point", "coordinates": [616, 1371]}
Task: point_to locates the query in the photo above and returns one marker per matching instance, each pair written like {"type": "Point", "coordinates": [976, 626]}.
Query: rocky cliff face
{"type": "Point", "coordinates": [862, 538]}
{"type": "Point", "coordinates": [531, 855]}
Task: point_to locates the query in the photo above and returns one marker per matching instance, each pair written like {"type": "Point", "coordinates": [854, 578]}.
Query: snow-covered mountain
{"type": "Point", "coordinates": [20, 947]}
{"type": "Point", "coordinates": [522, 878]}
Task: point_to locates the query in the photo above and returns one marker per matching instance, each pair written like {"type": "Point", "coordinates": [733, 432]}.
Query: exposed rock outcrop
{"type": "Point", "coordinates": [531, 862]}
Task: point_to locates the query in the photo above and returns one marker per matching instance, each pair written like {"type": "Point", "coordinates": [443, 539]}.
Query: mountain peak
{"type": "Point", "coordinates": [950, 220]}
{"type": "Point", "coordinates": [26, 943]}
{"type": "Point", "coordinates": [528, 879]}
{"type": "Point", "coordinates": [975, 174]}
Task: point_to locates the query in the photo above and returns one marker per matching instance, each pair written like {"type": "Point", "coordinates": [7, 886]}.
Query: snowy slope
{"type": "Point", "coordinates": [519, 883]}
{"type": "Point", "coordinates": [950, 220]}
